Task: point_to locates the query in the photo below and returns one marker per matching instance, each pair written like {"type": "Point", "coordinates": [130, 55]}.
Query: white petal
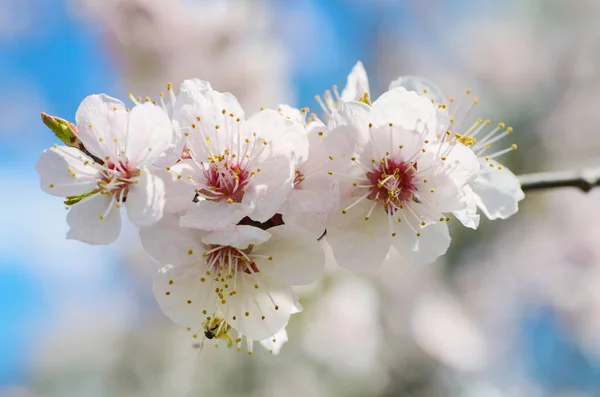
{"type": "Point", "coordinates": [101, 124]}
{"type": "Point", "coordinates": [461, 159]}
{"type": "Point", "coordinates": [273, 300]}
{"type": "Point", "coordinates": [180, 183]}
{"type": "Point", "coordinates": [497, 193]}
{"type": "Point", "coordinates": [92, 222]}
{"type": "Point", "coordinates": [354, 114]}
{"type": "Point", "coordinates": [405, 109]}
{"type": "Point", "coordinates": [182, 296]}
{"type": "Point", "coordinates": [169, 243]}
{"type": "Point", "coordinates": [296, 256]}
{"type": "Point", "coordinates": [308, 200]}
{"type": "Point", "coordinates": [421, 86]}
{"type": "Point", "coordinates": [238, 236]}
{"type": "Point", "coordinates": [468, 216]}
{"type": "Point", "coordinates": [275, 342]}
{"type": "Point", "coordinates": [314, 222]}
{"type": "Point", "coordinates": [149, 134]}
{"type": "Point", "coordinates": [210, 215]}
{"type": "Point", "coordinates": [358, 244]}
{"type": "Point", "coordinates": [357, 84]}
{"type": "Point", "coordinates": [440, 191]}
{"type": "Point", "coordinates": [433, 242]}
{"type": "Point", "coordinates": [290, 113]}
{"type": "Point", "coordinates": [269, 189]}
{"type": "Point", "coordinates": [146, 199]}
{"type": "Point", "coordinates": [285, 137]}
{"type": "Point", "coordinates": [192, 86]}
{"type": "Point", "coordinates": [63, 172]}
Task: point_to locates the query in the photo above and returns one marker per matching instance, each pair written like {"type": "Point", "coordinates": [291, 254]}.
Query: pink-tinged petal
{"type": "Point", "coordinates": [65, 171]}
{"type": "Point", "coordinates": [275, 342]}
{"type": "Point", "coordinates": [95, 220]}
{"type": "Point", "coordinates": [260, 312]}
{"type": "Point", "coordinates": [432, 242]}
{"type": "Point", "coordinates": [102, 125]}
{"type": "Point", "coordinates": [405, 109]}
{"type": "Point", "coordinates": [292, 255]}
{"type": "Point", "coordinates": [468, 216]}
{"type": "Point", "coordinates": [269, 189]}
{"type": "Point", "coordinates": [210, 215]}
{"type": "Point", "coordinates": [238, 236]}
{"type": "Point", "coordinates": [359, 244]}
{"type": "Point", "coordinates": [146, 199]}
{"type": "Point", "coordinates": [149, 134]}
{"type": "Point", "coordinates": [180, 182]}
{"type": "Point", "coordinates": [169, 243]}
{"type": "Point", "coordinates": [186, 294]}
{"type": "Point", "coordinates": [357, 84]}
{"type": "Point", "coordinates": [497, 192]}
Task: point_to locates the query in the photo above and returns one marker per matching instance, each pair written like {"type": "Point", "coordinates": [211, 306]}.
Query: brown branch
{"type": "Point", "coordinates": [584, 180]}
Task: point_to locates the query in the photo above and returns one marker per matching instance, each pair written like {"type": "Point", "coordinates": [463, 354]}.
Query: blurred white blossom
{"type": "Point", "coordinates": [155, 42]}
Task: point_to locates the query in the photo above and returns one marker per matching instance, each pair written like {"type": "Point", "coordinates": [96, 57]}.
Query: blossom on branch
{"type": "Point", "coordinates": [121, 146]}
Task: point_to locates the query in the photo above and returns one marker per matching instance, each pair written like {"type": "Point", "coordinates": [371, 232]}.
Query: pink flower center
{"type": "Point", "coordinates": [225, 180]}
{"type": "Point", "coordinates": [116, 178]}
{"type": "Point", "coordinates": [227, 260]}
{"type": "Point", "coordinates": [392, 183]}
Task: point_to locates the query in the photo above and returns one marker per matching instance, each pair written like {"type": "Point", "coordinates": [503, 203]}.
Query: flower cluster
{"type": "Point", "coordinates": [236, 208]}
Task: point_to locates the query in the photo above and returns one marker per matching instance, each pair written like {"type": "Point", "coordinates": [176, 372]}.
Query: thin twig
{"type": "Point", "coordinates": [584, 180]}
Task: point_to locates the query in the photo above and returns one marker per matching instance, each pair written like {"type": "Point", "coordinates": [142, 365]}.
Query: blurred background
{"type": "Point", "coordinates": [512, 310]}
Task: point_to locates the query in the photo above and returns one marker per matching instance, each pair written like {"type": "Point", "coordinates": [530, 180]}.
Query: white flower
{"type": "Point", "coordinates": [242, 167]}
{"type": "Point", "coordinates": [356, 89]}
{"type": "Point", "coordinates": [243, 274]}
{"type": "Point", "coordinates": [396, 185]}
{"type": "Point", "coordinates": [315, 194]}
{"type": "Point", "coordinates": [496, 191]}
{"type": "Point", "coordinates": [121, 145]}
{"type": "Point", "coordinates": [167, 102]}
{"type": "Point", "coordinates": [156, 41]}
